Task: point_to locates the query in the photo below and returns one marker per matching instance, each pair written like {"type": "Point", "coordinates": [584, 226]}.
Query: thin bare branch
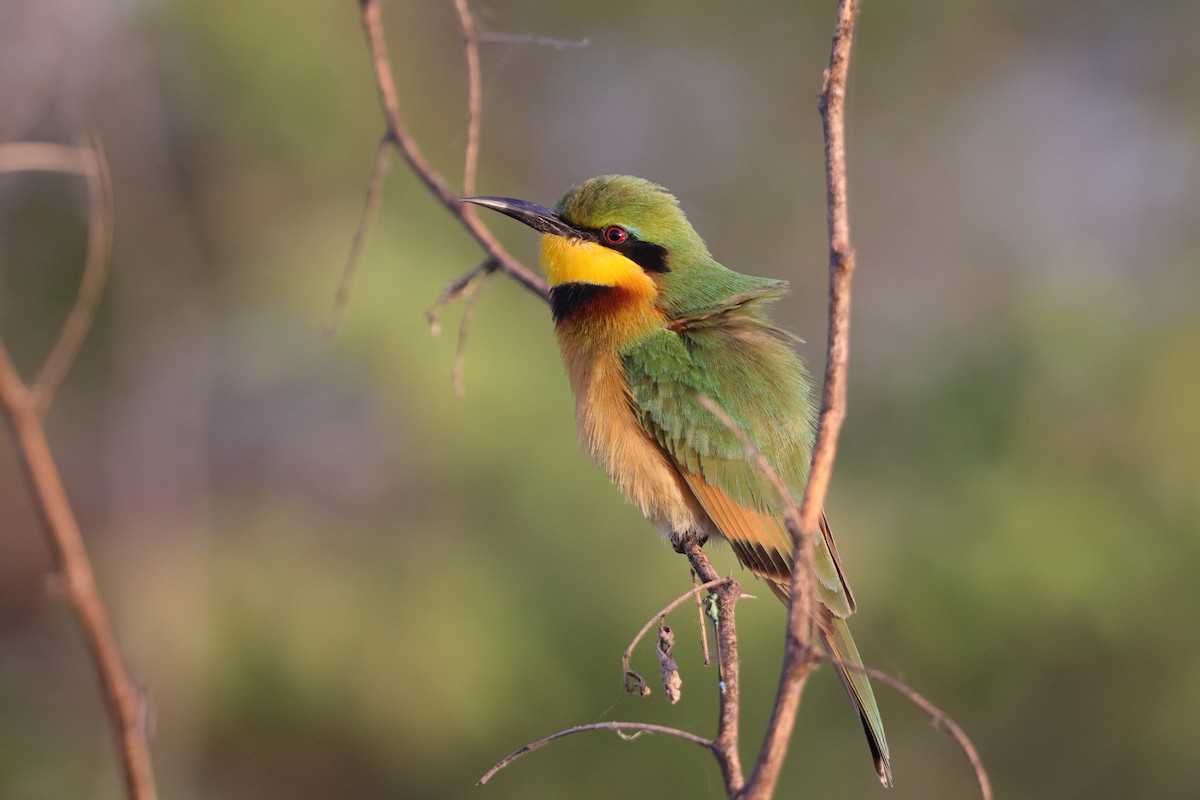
{"type": "Point", "coordinates": [798, 653]}
{"type": "Point", "coordinates": [940, 720]}
{"type": "Point", "coordinates": [619, 727]}
{"type": "Point", "coordinates": [23, 408]}
{"type": "Point", "coordinates": [725, 747]}
{"type": "Point", "coordinates": [383, 160]}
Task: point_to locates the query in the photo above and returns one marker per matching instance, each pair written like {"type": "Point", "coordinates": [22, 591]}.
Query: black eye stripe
{"type": "Point", "coordinates": [650, 257]}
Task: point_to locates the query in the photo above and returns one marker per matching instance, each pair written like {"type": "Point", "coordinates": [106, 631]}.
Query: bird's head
{"type": "Point", "coordinates": [614, 231]}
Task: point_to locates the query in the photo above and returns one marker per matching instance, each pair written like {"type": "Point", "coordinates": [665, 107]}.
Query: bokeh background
{"type": "Point", "coordinates": [337, 580]}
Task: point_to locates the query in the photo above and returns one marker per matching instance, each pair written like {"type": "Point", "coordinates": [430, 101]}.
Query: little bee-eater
{"type": "Point", "coordinates": [648, 322]}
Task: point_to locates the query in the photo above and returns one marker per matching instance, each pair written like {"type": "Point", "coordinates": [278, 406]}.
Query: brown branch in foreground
{"type": "Point", "coordinates": [798, 658]}
{"type": "Point", "coordinates": [25, 408]}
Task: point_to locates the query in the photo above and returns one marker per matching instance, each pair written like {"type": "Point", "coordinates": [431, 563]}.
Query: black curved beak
{"type": "Point", "coordinates": [537, 217]}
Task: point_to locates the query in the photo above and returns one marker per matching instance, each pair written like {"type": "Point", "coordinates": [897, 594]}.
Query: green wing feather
{"type": "Point", "coordinates": [731, 353]}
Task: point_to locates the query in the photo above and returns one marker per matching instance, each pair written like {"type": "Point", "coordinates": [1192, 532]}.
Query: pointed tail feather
{"type": "Point", "coordinates": [841, 646]}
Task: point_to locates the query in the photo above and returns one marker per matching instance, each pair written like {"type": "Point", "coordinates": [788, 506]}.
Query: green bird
{"type": "Point", "coordinates": [648, 322]}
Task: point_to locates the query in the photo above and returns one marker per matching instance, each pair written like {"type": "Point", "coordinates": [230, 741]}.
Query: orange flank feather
{"type": "Point", "coordinates": [759, 539]}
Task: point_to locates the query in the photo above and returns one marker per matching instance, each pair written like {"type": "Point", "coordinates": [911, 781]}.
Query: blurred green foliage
{"type": "Point", "coordinates": [335, 580]}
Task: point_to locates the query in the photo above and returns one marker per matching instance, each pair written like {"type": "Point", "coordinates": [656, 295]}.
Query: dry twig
{"type": "Point", "coordinates": [398, 136]}
{"type": "Point", "coordinates": [634, 683]}
{"type": "Point", "coordinates": [798, 659]}
{"type": "Point", "coordinates": [25, 408]}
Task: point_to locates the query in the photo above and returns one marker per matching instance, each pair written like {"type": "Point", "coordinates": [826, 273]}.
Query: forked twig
{"type": "Point", "coordinates": [25, 407]}
{"type": "Point", "coordinates": [639, 684]}
{"type": "Point", "coordinates": [398, 136]}
{"type": "Point", "coordinates": [724, 746]}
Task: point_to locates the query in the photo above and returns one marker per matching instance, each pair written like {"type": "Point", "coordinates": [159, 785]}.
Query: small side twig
{"type": "Point", "coordinates": [703, 628]}
{"type": "Point", "coordinates": [638, 685]}
{"type": "Point", "coordinates": [383, 161]}
{"type": "Point", "coordinates": [24, 408]}
{"type": "Point", "coordinates": [465, 286]}
{"type": "Point", "coordinates": [724, 746]}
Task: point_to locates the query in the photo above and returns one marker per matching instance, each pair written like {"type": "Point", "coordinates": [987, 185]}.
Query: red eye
{"type": "Point", "coordinates": [615, 234]}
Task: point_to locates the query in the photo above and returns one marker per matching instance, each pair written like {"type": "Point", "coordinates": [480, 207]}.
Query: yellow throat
{"type": "Point", "coordinates": [578, 261]}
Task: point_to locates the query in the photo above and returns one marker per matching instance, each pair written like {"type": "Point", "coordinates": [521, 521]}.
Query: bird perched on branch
{"type": "Point", "coordinates": [648, 323]}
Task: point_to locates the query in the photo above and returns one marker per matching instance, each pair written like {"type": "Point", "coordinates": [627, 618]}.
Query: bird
{"type": "Point", "coordinates": [648, 323]}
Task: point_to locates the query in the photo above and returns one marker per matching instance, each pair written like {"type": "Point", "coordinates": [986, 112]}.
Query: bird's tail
{"type": "Point", "coordinates": [841, 647]}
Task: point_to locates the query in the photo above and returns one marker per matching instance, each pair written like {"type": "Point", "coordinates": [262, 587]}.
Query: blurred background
{"type": "Point", "coordinates": [337, 580]}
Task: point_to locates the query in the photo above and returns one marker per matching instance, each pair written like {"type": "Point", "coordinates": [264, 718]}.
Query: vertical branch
{"type": "Point", "coordinates": [474, 98]}
{"type": "Point", "coordinates": [798, 659]}
{"type": "Point", "coordinates": [724, 745]}
{"type": "Point", "coordinates": [24, 408]}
